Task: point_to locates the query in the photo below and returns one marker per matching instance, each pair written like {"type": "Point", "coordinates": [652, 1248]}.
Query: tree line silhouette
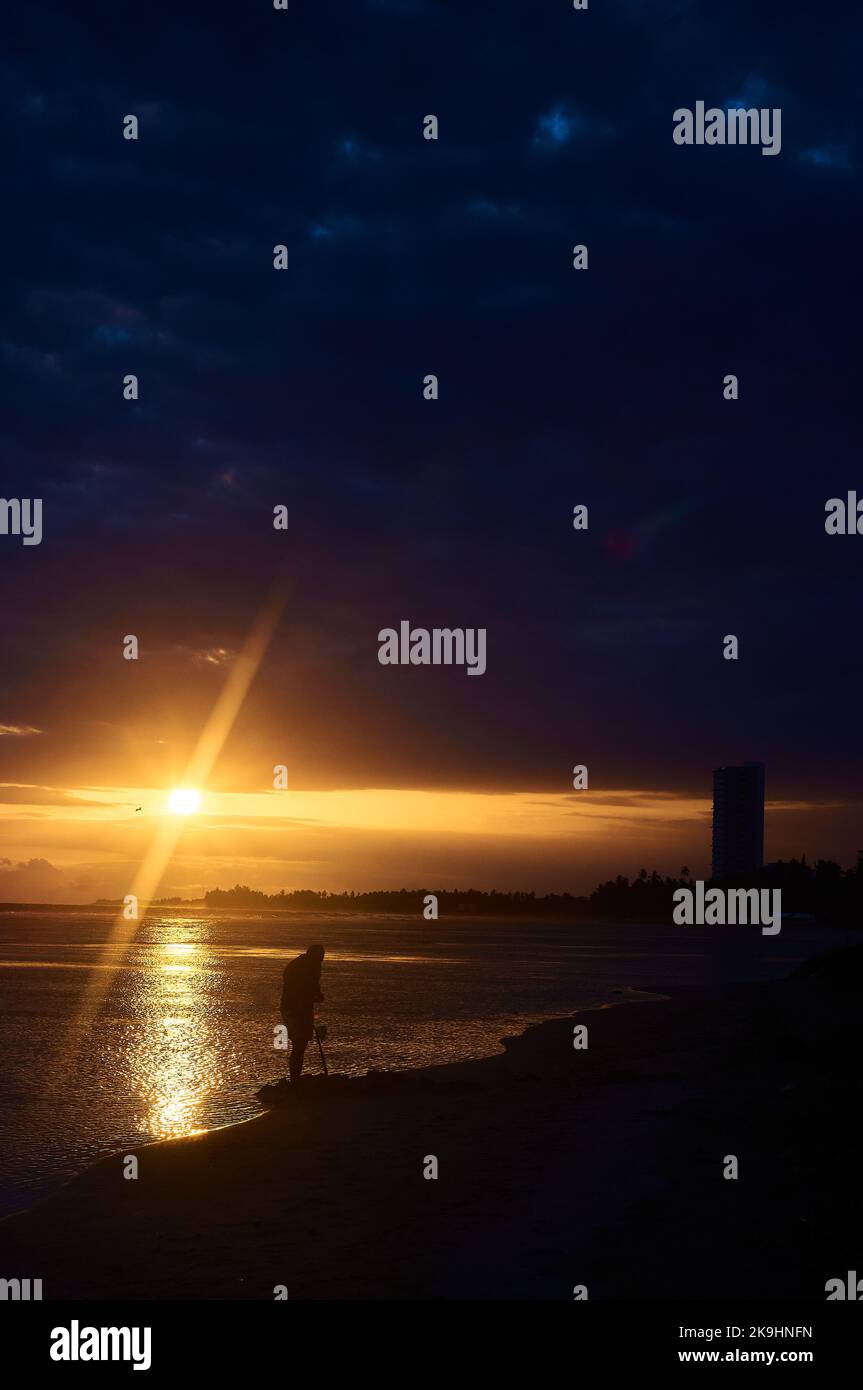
{"type": "Point", "coordinates": [823, 890]}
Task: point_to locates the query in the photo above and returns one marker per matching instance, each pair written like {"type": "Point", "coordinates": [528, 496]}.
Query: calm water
{"type": "Point", "coordinates": [185, 1033]}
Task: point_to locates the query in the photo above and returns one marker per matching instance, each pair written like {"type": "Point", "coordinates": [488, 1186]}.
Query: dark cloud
{"type": "Point", "coordinates": [453, 257]}
{"type": "Point", "coordinates": [32, 880]}
{"type": "Point", "coordinates": [42, 796]}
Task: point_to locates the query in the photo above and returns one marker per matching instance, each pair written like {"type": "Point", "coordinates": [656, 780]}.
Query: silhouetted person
{"type": "Point", "coordinates": [301, 991]}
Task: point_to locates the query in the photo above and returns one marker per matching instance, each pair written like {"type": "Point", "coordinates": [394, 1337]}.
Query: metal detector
{"type": "Point", "coordinates": [320, 1034]}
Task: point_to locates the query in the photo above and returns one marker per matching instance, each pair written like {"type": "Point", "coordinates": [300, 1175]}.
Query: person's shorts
{"type": "Point", "coordinates": [301, 1027]}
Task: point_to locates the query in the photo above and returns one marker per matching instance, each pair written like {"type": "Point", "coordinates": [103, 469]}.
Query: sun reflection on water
{"type": "Point", "coordinates": [174, 1057]}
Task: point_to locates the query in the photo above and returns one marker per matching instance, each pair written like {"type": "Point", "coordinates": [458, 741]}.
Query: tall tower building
{"type": "Point", "coordinates": [738, 820]}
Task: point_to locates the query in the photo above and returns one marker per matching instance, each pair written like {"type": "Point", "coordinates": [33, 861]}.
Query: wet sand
{"type": "Point", "coordinates": [557, 1167]}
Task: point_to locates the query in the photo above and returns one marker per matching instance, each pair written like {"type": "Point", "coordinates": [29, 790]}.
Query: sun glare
{"type": "Point", "coordinates": [183, 801]}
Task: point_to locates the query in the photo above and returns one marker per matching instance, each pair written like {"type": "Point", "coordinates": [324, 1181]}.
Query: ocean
{"type": "Point", "coordinates": [184, 1033]}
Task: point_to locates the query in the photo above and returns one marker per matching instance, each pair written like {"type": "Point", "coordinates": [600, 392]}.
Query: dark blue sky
{"type": "Point", "coordinates": [556, 387]}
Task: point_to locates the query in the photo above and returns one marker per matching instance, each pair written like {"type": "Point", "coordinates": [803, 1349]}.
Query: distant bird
{"type": "Point", "coordinates": [139, 808]}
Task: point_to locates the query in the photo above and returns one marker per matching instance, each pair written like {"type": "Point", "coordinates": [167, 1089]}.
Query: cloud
{"type": "Point", "coordinates": [35, 880]}
{"type": "Point", "coordinates": [27, 359]}
{"type": "Point", "coordinates": [214, 656]}
{"type": "Point", "coordinates": [754, 92]}
{"type": "Point", "coordinates": [18, 730]}
{"type": "Point", "coordinates": [22, 794]}
{"type": "Point", "coordinates": [406, 7]}
{"type": "Point", "coordinates": [337, 229]}
{"type": "Point", "coordinates": [633, 623]}
{"type": "Point", "coordinates": [495, 211]}
{"type": "Point", "coordinates": [829, 157]}
{"type": "Point", "coordinates": [354, 151]}
{"type": "Point", "coordinates": [556, 127]}
{"type": "Point", "coordinates": [559, 127]}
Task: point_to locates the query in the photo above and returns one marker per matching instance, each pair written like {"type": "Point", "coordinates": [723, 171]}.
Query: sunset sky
{"type": "Point", "coordinates": [304, 388]}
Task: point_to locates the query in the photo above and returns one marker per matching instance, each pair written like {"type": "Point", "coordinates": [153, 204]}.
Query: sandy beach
{"type": "Point", "coordinates": [535, 1147]}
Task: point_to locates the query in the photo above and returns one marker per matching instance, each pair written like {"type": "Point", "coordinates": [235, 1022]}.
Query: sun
{"type": "Point", "coordinates": [184, 800]}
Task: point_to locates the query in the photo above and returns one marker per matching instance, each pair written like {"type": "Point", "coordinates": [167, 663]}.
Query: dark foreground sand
{"type": "Point", "coordinates": [557, 1167]}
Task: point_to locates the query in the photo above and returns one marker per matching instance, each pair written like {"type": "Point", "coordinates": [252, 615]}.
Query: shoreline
{"type": "Point", "coordinates": [556, 1167]}
{"type": "Point", "coordinates": [312, 1084]}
